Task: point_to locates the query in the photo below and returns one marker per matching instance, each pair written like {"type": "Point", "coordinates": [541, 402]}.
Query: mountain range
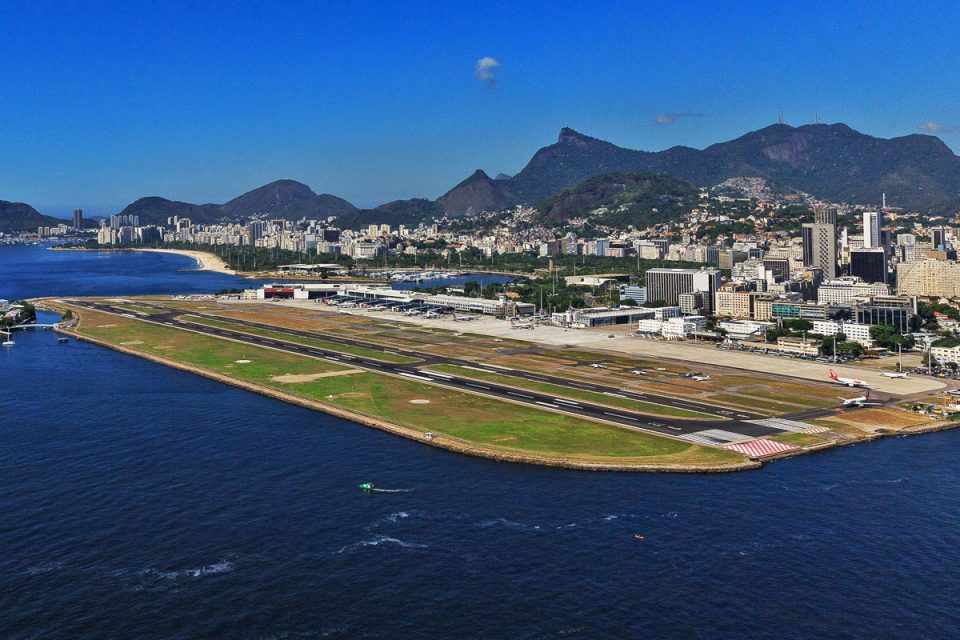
{"type": "Point", "coordinates": [830, 161]}
{"type": "Point", "coordinates": [286, 199]}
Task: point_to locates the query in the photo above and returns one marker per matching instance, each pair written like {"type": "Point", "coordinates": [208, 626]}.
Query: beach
{"type": "Point", "coordinates": [205, 261]}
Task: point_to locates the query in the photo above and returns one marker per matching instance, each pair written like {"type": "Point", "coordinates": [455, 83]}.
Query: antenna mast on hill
{"type": "Point", "coordinates": [780, 117]}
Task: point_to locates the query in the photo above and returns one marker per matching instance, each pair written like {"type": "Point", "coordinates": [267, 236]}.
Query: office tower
{"type": "Point", "coordinates": [939, 238]}
{"type": "Point", "coordinates": [870, 265]}
{"type": "Point", "coordinates": [820, 242]}
{"type": "Point", "coordinates": [712, 255]}
{"type": "Point", "coordinates": [779, 267]}
{"type": "Point", "coordinates": [871, 230]}
{"type": "Point", "coordinates": [666, 285]}
{"type": "Point", "coordinates": [78, 218]}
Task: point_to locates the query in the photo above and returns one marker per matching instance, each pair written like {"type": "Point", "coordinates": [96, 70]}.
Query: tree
{"type": "Point", "coordinates": [471, 288]}
{"type": "Point", "coordinates": [850, 348]}
{"type": "Point", "coordinates": [841, 314]}
{"type": "Point", "coordinates": [798, 325]}
{"type": "Point", "coordinates": [887, 336]}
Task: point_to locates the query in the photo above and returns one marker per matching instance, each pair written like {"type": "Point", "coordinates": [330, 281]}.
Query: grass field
{"type": "Point", "coordinates": [363, 352]}
{"type": "Point", "coordinates": [639, 406]}
{"type": "Point", "coordinates": [470, 418]}
{"type": "Point", "coordinates": [803, 439]}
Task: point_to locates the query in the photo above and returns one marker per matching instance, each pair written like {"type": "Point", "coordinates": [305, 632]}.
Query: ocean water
{"type": "Point", "coordinates": [141, 502]}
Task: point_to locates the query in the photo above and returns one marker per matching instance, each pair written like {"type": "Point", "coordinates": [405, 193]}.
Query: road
{"type": "Point", "coordinates": [670, 426]}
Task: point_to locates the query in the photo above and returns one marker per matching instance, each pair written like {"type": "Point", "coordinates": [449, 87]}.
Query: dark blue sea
{"type": "Point", "coordinates": [141, 502]}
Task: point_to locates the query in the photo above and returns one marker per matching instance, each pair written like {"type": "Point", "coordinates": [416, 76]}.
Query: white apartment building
{"type": "Point", "coordinates": [682, 327]}
{"type": "Point", "coordinates": [366, 250]}
{"type": "Point", "coordinates": [843, 290]}
{"type": "Point", "coordinates": [944, 355]}
{"type": "Point", "coordinates": [859, 333]}
{"type": "Point", "coordinates": [650, 325]}
{"type": "Point", "coordinates": [672, 328]}
{"type": "Point", "coordinates": [743, 329]}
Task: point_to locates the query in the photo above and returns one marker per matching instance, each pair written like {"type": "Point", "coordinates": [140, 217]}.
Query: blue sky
{"type": "Point", "coordinates": [201, 101]}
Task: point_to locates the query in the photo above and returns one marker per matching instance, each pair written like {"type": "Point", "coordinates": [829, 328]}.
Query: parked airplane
{"type": "Point", "coordinates": [597, 365]}
{"type": "Point", "coordinates": [894, 375]}
{"type": "Point", "coordinates": [699, 378]}
{"type": "Point", "coordinates": [639, 372]}
{"type": "Point", "coordinates": [862, 401]}
{"type": "Point", "coordinates": [850, 382]}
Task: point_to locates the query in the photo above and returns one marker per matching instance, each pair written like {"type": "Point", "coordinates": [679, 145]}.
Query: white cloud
{"type": "Point", "coordinates": [935, 127]}
{"type": "Point", "coordinates": [486, 70]}
{"type": "Point", "coordinates": [672, 117]}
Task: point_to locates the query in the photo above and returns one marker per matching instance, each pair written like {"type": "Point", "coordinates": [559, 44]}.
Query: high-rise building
{"type": "Point", "coordinates": [870, 265]}
{"type": "Point", "coordinates": [78, 218]}
{"type": "Point", "coordinates": [666, 285]}
{"type": "Point", "coordinates": [779, 267]}
{"type": "Point", "coordinates": [939, 238]}
{"type": "Point", "coordinates": [872, 221]}
{"type": "Point", "coordinates": [896, 311]}
{"type": "Point", "coordinates": [820, 242]}
{"type": "Point", "coordinates": [929, 278]}
{"type": "Point", "coordinates": [124, 220]}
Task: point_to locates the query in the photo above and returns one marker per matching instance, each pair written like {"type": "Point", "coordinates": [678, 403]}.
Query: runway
{"type": "Point", "coordinates": [735, 426]}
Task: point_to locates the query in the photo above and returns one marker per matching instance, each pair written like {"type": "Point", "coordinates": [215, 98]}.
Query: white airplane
{"type": "Point", "coordinates": [850, 382]}
{"type": "Point", "coordinates": [699, 378]}
{"type": "Point", "coordinates": [639, 372]}
{"type": "Point", "coordinates": [862, 401]}
{"type": "Point", "coordinates": [894, 375]}
{"type": "Point", "coordinates": [597, 365]}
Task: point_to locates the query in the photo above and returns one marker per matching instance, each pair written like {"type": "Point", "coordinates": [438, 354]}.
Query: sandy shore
{"type": "Point", "coordinates": [205, 261]}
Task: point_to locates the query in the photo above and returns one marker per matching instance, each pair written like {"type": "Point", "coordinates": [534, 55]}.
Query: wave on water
{"type": "Point", "coordinates": [381, 540]}
{"type": "Point", "coordinates": [509, 524]}
{"type": "Point", "coordinates": [224, 566]}
{"type": "Point", "coordinates": [44, 567]}
{"type": "Point", "coordinates": [399, 515]}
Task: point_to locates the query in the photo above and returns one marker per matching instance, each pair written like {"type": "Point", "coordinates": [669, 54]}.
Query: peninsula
{"type": "Point", "coordinates": [508, 399]}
